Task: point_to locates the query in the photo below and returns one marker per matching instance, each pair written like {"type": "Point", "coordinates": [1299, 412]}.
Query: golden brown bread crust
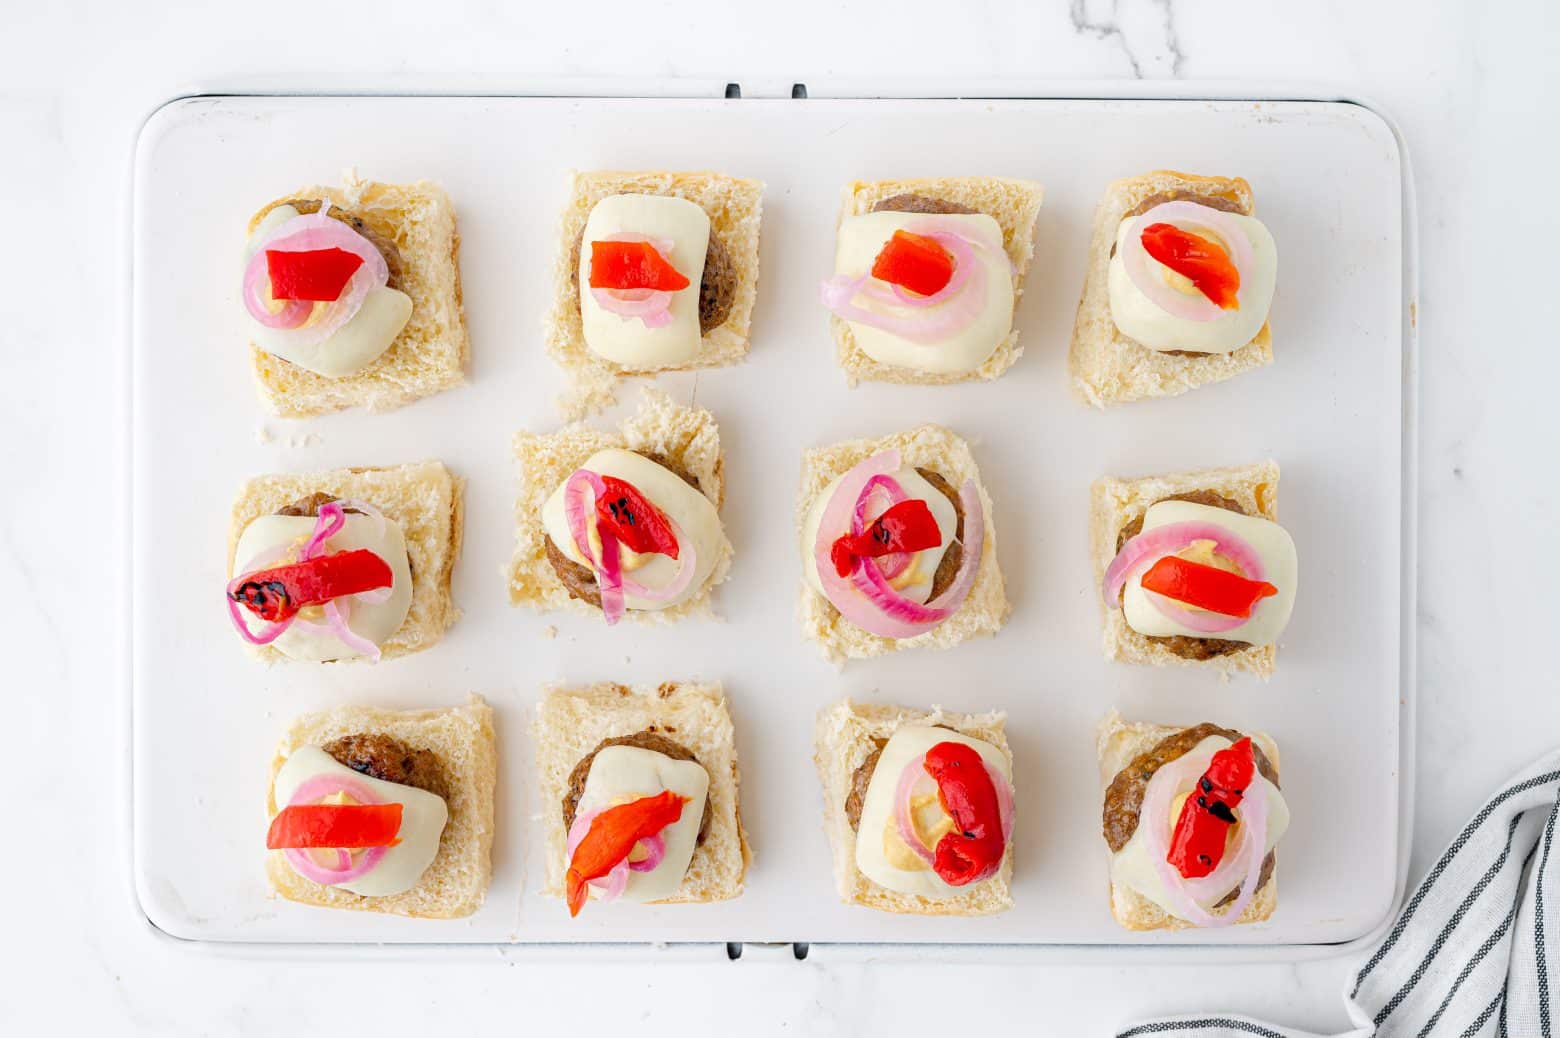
{"type": "Point", "coordinates": [649, 739]}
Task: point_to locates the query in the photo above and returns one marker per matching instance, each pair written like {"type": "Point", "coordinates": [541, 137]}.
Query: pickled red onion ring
{"type": "Point", "coordinates": [1244, 859]}
{"type": "Point", "coordinates": [614, 585]}
{"type": "Point", "coordinates": [961, 300]}
{"type": "Point", "coordinates": [293, 312]}
{"type": "Point", "coordinates": [652, 306]}
{"type": "Point", "coordinates": [904, 822]}
{"type": "Point", "coordinates": [1140, 266]}
{"type": "Point", "coordinates": [1147, 548]}
{"type": "Point", "coordinates": [655, 853]}
{"type": "Point", "coordinates": [1199, 620]}
{"type": "Point", "coordinates": [612, 885]}
{"type": "Point", "coordinates": [890, 565]}
{"type": "Point", "coordinates": [331, 520]}
{"type": "Point", "coordinates": [318, 321]}
{"type": "Point", "coordinates": [336, 617]}
{"type": "Point", "coordinates": [312, 791]}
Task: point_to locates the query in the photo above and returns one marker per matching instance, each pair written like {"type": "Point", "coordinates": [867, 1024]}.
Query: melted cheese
{"type": "Point", "coordinates": [915, 583]}
{"type": "Point", "coordinates": [355, 345]}
{"type": "Point", "coordinates": [1145, 322]}
{"type": "Point", "coordinates": [695, 519]}
{"type": "Point", "coordinates": [423, 817]}
{"type": "Point", "coordinates": [619, 774]}
{"type": "Point", "coordinates": [626, 340]}
{"type": "Point", "coordinates": [375, 622]}
{"type": "Point", "coordinates": [1280, 567]}
{"type": "Point", "coordinates": [1133, 867]}
{"type": "Point", "coordinates": [861, 238]}
{"type": "Point", "coordinates": [877, 855]}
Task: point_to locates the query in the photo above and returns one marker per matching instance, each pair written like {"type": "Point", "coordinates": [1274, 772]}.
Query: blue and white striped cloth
{"type": "Point", "coordinates": [1472, 953]}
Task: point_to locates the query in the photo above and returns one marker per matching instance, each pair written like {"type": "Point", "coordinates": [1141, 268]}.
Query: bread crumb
{"type": "Point", "coordinates": [304, 440]}
{"type": "Point", "coordinates": [263, 435]}
{"type": "Point", "coordinates": [549, 632]}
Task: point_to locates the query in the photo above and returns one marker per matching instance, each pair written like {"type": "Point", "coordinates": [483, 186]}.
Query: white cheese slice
{"type": "Point", "coordinates": [1133, 867]}
{"type": "Point", "coordinates": [1280, 567]}
{"type": "Point", "coordinates": [695, 520]}
{"type": "Point", "coordinates": [1145, 322]}
{"type": "Point", "coordinates": [877, 810]}
{"type": "Point", "coordinates": [423, 817]}
{"type": "Point", "coordinates": [915, 583]}
{"type": "Point", "coordinates": [626, 340]}
{"type": "Point", "coordinates": [376, 622]}
{"type": "Point", "coordinates": [862, 237]}
{"type": "Point", "coordinates": [622, 773]}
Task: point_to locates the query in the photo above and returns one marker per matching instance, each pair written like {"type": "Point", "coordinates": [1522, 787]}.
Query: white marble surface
{"type": "Point", "coordinates": [1473, 87]}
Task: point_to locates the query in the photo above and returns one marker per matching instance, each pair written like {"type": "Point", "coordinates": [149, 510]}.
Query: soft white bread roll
{"type": "Point", "coordinates": [845, 736]}
{"type": "Point", "coordinates": [1117, 744]}
{"type": "Point", "coordinates": [430, 353]}
{"type": "Point", "coordinates": [1106, 366]}
{"type": "Point", "coordinates": [424, 499]}
{"type": "Point", "coordinates": [1014, 204]}
{"type": "Point", "coordinates": [686, 436]}
{"type": "Point", "coordinates": [463, 741]}
{"type": "Point", "coordinates": [735, 208]}
{"type": "Point", "coordinates": [1115, 503]}
{"type": "Point", "coordinates": [571, 722]}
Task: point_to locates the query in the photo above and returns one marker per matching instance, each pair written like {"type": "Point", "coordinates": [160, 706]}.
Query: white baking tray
{"type": "Point", "coordinates": [1335, 410]}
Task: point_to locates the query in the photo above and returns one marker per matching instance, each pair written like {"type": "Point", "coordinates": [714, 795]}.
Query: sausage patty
{"type": "Point", "coordinates": [649, 739]}
{"type": "Point", "coordinates": [388, 759]}
{"type": "Point", "coordinates": [1124, 796]}
{"type": "Point", "coordinates": [381, 235]}
{"type": "Point", "coordinates": [717, 285]}
{"type": "Point", "coordinates": [1199, 649]}
{"type": "Point", "coordinates": [913, 203]}
{"type": "Point", "coordinates": [580, 581]}
{"type": "Point", "coordinates": [949, 566]}
{"type": "Point", "coordinates": [863, 778]}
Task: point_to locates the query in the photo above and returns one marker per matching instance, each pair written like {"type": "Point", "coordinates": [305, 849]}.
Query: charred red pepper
{"type": "Point", "coordinates": [279, 592]}
{"type": "Point", "coordinates": [634, 521]}
{"type": "Point", "coordinates": [632, 264]}
{"type": "Point", "coordinates": [1197, 846]}
{"type": "Point", "coordinates": [906, 526]}
{"type": "Point", "coordinates": [1206, 587]}
{"type": "Point", "coordinates": [915, 262]}
{"type": "Point", "coordinates": [343, 826]}
{"type": "Point", "coordinates": [973, 850]}
{"type": "Point", "coordinates": [1193, 256]}
{"type": "Point", "coordinates": [612, 835]}
{"type": "Point", "coordinates": [317, 275]}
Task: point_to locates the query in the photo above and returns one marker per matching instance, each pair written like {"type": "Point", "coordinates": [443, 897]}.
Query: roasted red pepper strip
{"type": "Point", "coordinates": [317, 275]}
{"type": "Point", "coordinates": [973, 850]}
{"type": "Point", "coordinates": [634, 521]}
{"type": "Point", "coordinates": [915, 262]}
{"type": "Point", "coordinates": [1206, 587]}
{"type": "Point", "coordinates": [1193, 256]}
{"type": "Point", "coordinates": [612, 835]}
{"type": "Point", "coordinates": [278, 593]}
{"type": "Point", "coordinates": [632, 264]}
{"type": "Point", "coordinates": [906, 526]}
{"type": "Point", "coordinates": [1197, 846]}
{"type": "Point", "coordinates": [343, 826]}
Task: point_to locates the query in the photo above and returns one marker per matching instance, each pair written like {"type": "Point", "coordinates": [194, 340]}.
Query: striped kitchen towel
{"type": "Point", "coordinates": [1472, 953]}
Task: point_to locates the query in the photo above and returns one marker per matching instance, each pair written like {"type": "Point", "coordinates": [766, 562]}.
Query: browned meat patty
{"type": "Point", "coordinates": [1199, 649]}
{"type": "Point", "coordinates": [381, 234]}
{"type": "Point", "coordinates": [913, 203]}
{"type": "Point", "coordinates": [1124, 796]}
{"type": "Point", "coordinates": [863, 778]}
{"type": "Point", "coordinates": [311, 505]}
{"type": "Point", "coordinates": [580, 581]}
{"type": "Point", "coordinates": [390, 760]}
{"type": "Point", "coordinates": [948, 568]}
{"type": "Point", "coordinates": [717, 286]}
{"type": "Point", "coordinates": [649, 739]}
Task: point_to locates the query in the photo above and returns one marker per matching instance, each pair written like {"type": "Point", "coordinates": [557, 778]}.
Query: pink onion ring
{"type": "Point", "coordinates": [307, 233]}
{"type": "Point", "coordinates": [962, 298]}
{"type": "Point", "coordinates": [890, 565]}
{"type": "Point", "coordinates": [904, 822]}
{"type": "Point", "coordinates": [312, 791]}
{"type": "Point", "coordinates": [609, 573]}
{"type": "Point", "coordinates": [652, 306]}
{"type": "Point", "coordinates": [331, 520]}
{"type": "Point", "coordinates": [611, 886]}
{"type": "Point", "coordinates": [1140, 266]}
{"type": "Point", "coordinates": [655, 853]}
{"type": "Point", "coordinates": [1244, 859]}
{"type": "Point", "coordinates": [336, 616]}
{"type": "Point", "coordinates": [1199, 620]}
{"type": "Point", "coordinates": [1148, 547]}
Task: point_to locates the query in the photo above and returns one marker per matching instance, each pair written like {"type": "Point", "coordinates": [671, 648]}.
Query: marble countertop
{"type": "Point", "coordinates": [1471, 86]}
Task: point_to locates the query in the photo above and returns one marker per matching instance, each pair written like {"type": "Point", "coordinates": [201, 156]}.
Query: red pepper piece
{"type": "Point", "coordinates": [1193, 256]}
{"type": "Point", "coordinates": [279, 592]}
{"type": "Point", "coordinates": [1206, 587]}
{"type": "Point", "coordinates": [915, 262]}
{"type": "Point", "coordinates": [906, 526]}
{"type": "Point", "coordinates": [343, 826]}
{"type": "Point", "coordinates": [634, 521]}
{"type": "Point", "coordinates": [632, 264]}
{"type": "Point", "coordinates": [317, 275]}
{"type": "Point", "coordinates": [612, 835]}
{"type": "Point", "coordinates": [973, 850]}
{"type": "Point", "coordinates": [1197, 846]}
